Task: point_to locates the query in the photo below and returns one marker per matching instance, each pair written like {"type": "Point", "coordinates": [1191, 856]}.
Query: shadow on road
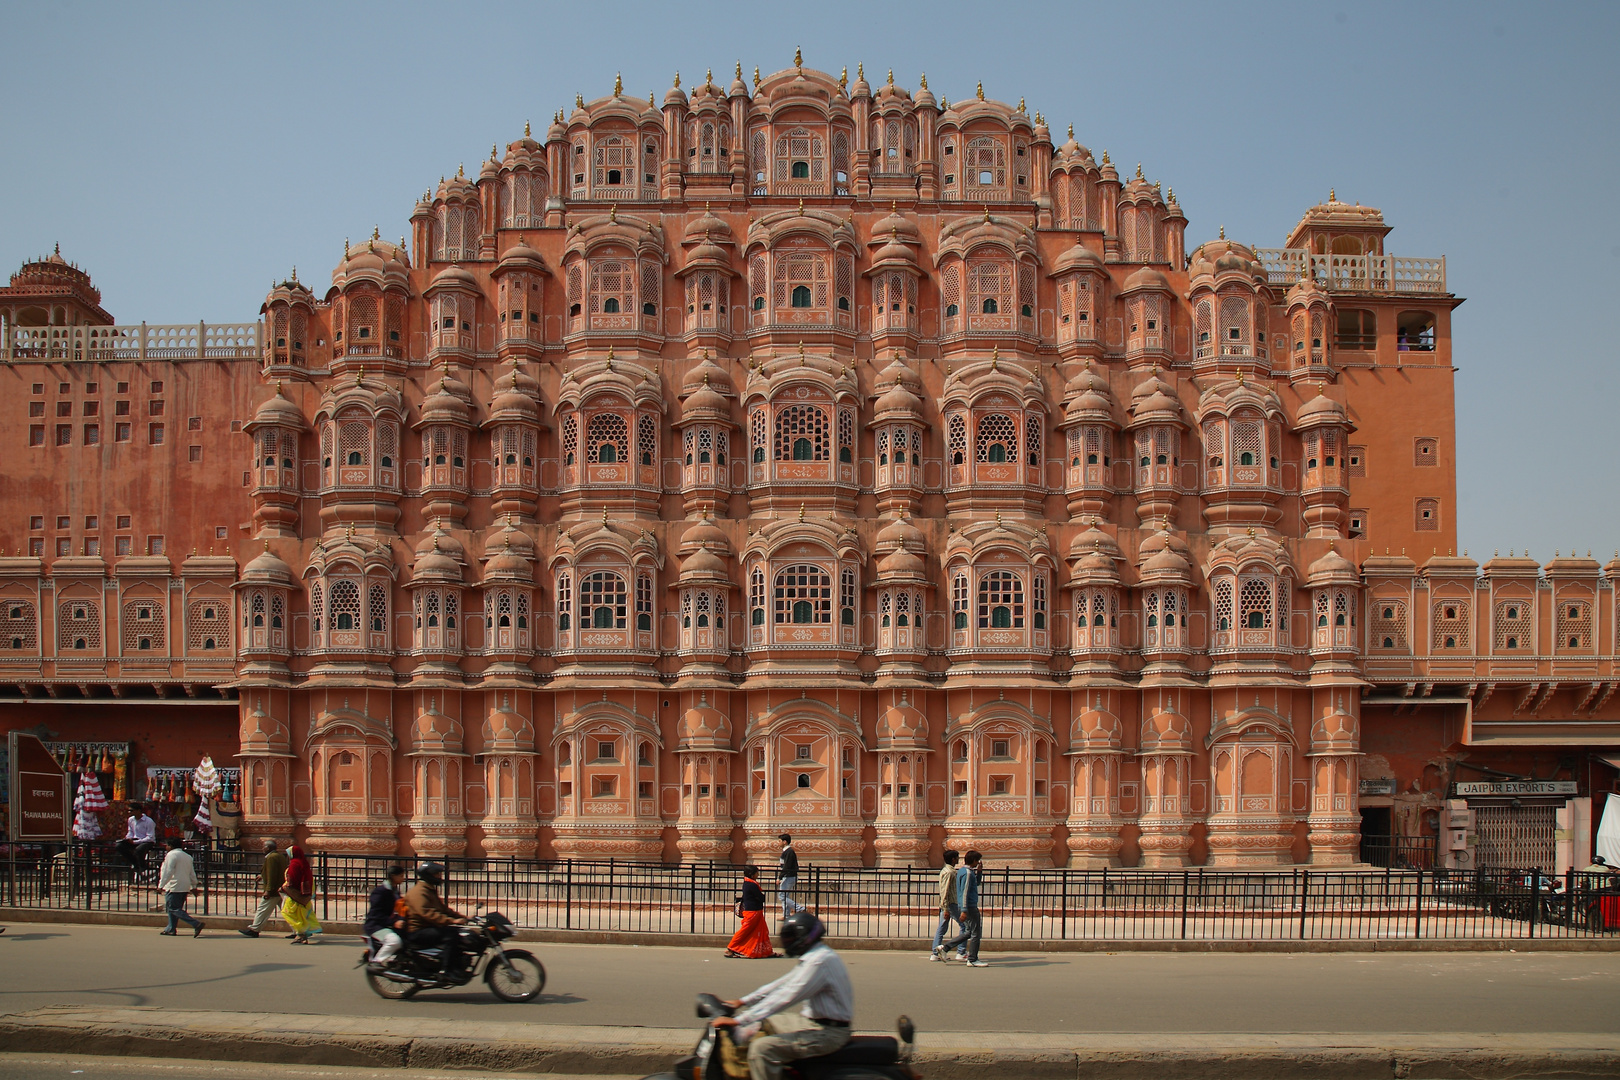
{"type": "Point", "coordinates": [30, 937]}
{"type": "Point", "coordinates": [133, 997]}
{"type": "Point", "coordinates": [431, 998]}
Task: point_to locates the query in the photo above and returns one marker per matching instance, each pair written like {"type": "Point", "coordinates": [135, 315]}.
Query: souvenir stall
{"type": "Point", "coordinates": [184, 800]}
{"type": "Point", "coordinates": [100, 773]}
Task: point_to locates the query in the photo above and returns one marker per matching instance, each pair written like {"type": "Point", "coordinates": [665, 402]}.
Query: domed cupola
{"type": "Point", "coordinates": [276, 428]}
{"type": "Point", "coordinates": [1156, 427]}
{"type": "Point", "coordinates": [1082, 281]}
{"type": "Point", "coordinates": [1324, 430]}
{"type": "Point", "coordinates": [1231, 301]}
{"type": "Point", "coordinates": [1164, 571]}
{"type": "Point", "coordinates": [369, 291]}
{"type": "Point", "coordinates": [898, 426]}
{"type": "Point", "coordinates": [705, 432]}
{"type": "Point", "coordinates": [1090, 427]}
{"type": "Point", "coordinates": [1149, 304]}
{"type": "Point", "coordinates": [1311, 321]}
{"type": "Point", "coordinates": [895, 270]}
{"type": "Point", "coordinates": [287, 313]}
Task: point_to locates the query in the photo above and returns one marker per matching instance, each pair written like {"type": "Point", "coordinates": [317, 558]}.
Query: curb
{"type": "Point", "coordinates": [990, 945]}
{"type": "Point", "coordinates": [593, 1051]}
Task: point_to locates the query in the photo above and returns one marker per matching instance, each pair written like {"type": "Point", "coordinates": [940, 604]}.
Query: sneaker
{"type": "Point", "coordinates": [197, 930]}
{"type": "Point", "coordinates": [977, 963]}
{"type": "Point", "coordinates": [935, 954]}
{"type": "Point", "coordinates": [167, 933]}
{"type": "Point", "coordinates": [248, 931]}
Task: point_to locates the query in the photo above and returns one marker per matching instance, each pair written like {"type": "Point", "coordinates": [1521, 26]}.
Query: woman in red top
{"type": "Point", "coordinates": [299, 890]}
{"type": "Point", "coordinates": [752, 941]}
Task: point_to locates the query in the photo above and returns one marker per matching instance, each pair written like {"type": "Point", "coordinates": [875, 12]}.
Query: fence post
{"type": "Point", "coordinates": [1304, 899]}
{"type": "Point", "coordinates": [694, 898]}
{"type": "Point", "coordinates": [1535, 898]}
{"type": "Point", "coordinates": [1063, 908]}
{"type": "Point", "coordinates": [1417, 914]}
{"type": "Point", "coordinates": [207, 884]}
{"type": "Point", "coordinates": [1569, 899]}
{"type": "Point", "coordinates": [1186, 883]}
{"type": "Point", "coordinates": [323, 882]}
{"type": "Point", "coordinates": [815, 896]}
{"type": "Point", "coordinates": [568, 895]}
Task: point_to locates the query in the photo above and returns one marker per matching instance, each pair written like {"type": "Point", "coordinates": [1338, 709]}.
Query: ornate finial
{"type": "Point", "coordinates": [579, 100]}
{"type": "Point", "coordinates": [349, 534]}
{"type": "Point", "coordinates": [801, 511]}
{"type": "Point", "coordinates": [998, 519]}
{"type": "Point", "coordinates": [1251, 530]}
{"type": "Point", "coordinates": [987, 215]}
{"type": "Point", "coordinates": [1332, 195]}
{"type": "Point", "coordinates": [651, 102]}
{"type": "Point", "coordinates": [1105, 158]}
{"type": "Point", "coordinates": [756, 77]}
{"type": "Point", "coordinates": [677, 80]}
{"type": "Point", "coordinates": [739, 71]}
{"type": "Point", "coordinates": [1139, 170]}
{"type": "Point", "coordinates": [618, 84]}
{"type": "Point", "coordinates": [613, 214]}
{"type": "Point", "coordinates": [843, 80]}
{"type": "Point", "coordinates": [461, 171]}
{"type": "Point", "coordinates": [924, 80]}
{"type": "Point", "coordinates": [980, 91]}
{"type": "Point", "coordinates": [801, 351]}
{"type": "Point", "coordinates": [860, 70]}
{"type": "Point", "coordinates": [1172, 194]}
{"type": "Point", "coordinates": [891, 76]}
{"type": "Point", "coordinates": [376, 234]}
{"type": "Point", "coordinates": [944, 104]}
{"type": "Point", "coordinates": [359, 372]}
{"type": "Point", "coordinates": [346, 246]}
{"type": "Point", "coordinates": [493, 147]}
{"type": "Point", "coordinates": [1071, 131]}
{"type": "Point", "coordinates": [1223, 232]}
{"type": "Point", "coordinates": [708, 77]}
{"type": "Point", "coordinates": [801, 206]}
{"type": "Point", "coordinates": [526, 131]}
{"type": "Point", "coordinates": [1240, 378]}
{"type": "Point", "coordinates": [798, 58]}
{"type": "Point", "coordinates": [1020, 104]}
{"type": "Point", "coordinates": [995, 357]}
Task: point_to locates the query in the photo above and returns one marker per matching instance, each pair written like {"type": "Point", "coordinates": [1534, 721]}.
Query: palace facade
{"type": "Point", "coordinates": [797, 456]}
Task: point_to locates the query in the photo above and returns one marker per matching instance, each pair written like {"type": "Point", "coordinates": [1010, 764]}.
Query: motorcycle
{"type": "Point", "coordinates": [864, 1057]}
{"type": "Point", "coordinates": [511, 974]}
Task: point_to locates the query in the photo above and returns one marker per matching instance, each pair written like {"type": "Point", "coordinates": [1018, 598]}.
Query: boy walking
{"type": "Point", "coordinates": [949, 912]}
{"type": "Point", "coordinates": [967, 898]}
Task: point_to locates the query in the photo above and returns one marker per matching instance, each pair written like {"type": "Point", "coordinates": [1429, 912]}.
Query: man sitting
{"type": "Point", "coordinates": [140, 837]}
{"type": "Point", "coordinates": [430, 920]}
{"type": "Point", "coordinates": [820, 981]}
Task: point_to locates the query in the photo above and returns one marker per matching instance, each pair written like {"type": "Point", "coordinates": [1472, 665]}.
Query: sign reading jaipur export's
{"type": "Point", "coordinates": [1517, 787]}
{"type": "Point", "coordinates": [39, 792]}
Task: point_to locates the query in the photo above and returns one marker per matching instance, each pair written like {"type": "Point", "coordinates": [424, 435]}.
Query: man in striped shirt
{"type": "Point", "coordinates": [820, 981]}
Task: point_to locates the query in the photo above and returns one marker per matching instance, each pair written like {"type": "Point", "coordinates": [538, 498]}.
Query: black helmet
{"type": "Point", "coordinates": [799, 931]}
{"type": "Point", "coordinates": [432, 873]}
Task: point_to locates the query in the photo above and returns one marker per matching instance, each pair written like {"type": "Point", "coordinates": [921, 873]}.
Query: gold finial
{"type": "Point", "coordinates": [924, 80]}
{"type": "Point", "coordinates": [987, 215]}
{"type": "Point", "coordinates": [843, 80]}
{"type": "Point", "coordinates": [998, 519]}
{"type": "Point", "coordinates": [756, 77]}
{"type": "Point", "coordinates": [266, 547]}
{"type": "Point", "coordinates": [1172, 194]}
{"type": "Point", "coordinates": [278, 388]}
{"type": "Point", "coordinates": [526, 131]}
{"type": "Point", "coordinates": [618, 84]}
{"type": "Point", "coordinates": [295, 275]}
{"type": "Point", "coordinates": [798, 58]}
{"type": "Point", "coordinates": [1105, 158]}
{"type": "Point", "coordinates": [995, 357]}
{"type": "Point", "coordinates": [604, 517]}
{"type": "Point", "coordinates": [980, 91]}
{"type": "Point", "coordinates": [346, 245]}
{"type": "Point", "coordinates": [1020, 104]}
{"type": "Point", "coordinates": [579, 100]}
{"type": "Point", "coordinates": [613, 214]}
{"type": "Point", "coordinates": [801, 352]}
{"type": "Point", "coordinates": [357, 376]}
{"type": "Point", "coordinates": [801, 206]}
{"type": "Point", "coordinates": [801, 511]}
{"type": "Point", "coordinates": [651, 103]}
{"type": "Point", "coordinates": [376, 234]}
{"type": "Point", "coordinates": [1251, 530]}
{"type": "Point", "coordinates": [1240, 378]}
{"type": "Point", "coordinates": [1223, 232]}
{"type": "Point", "coordinates": [944, 104]}
{"type": "Point", "coordinates": [891, 76]}
{"type": "Point", "coordinates": [492, 149]}
{"type": "Point", "coordinates": [708, 77]}
{"type": "Point", "coordinates": [461, 171]}
{"type": "Point", "coordinates": [739, 71]}
{"type": "Point", "coordinates": [350, 532]}
{"type": "Point", "coordinates": [1139, 170]}
{"type": "Point", "coordinates": [860, 70]}
{"type": "Point", "coordinates": [677, 80]}
{"type": "Point", "coordinates": [1071, 131]}
{"type": "Point", "coordinates": [1332, 195]}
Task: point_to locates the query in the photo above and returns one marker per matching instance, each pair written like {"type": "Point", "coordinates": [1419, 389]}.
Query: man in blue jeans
{"type": "Point", "coordinates": [176, 881]}
{"type": "Point", "coordinates": [967, 897]}
{"type": "Point", "coordinates": [787, 876]}
{"type": "Point", "coordinates": [949, 912]}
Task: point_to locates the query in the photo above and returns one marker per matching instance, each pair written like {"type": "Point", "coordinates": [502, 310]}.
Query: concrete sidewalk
{"type": "Point", "coordinates": [1279, 944]}
{"type": "Point", "coordinates": [423, 1043]}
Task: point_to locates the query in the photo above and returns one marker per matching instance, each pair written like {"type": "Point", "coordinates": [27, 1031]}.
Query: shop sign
{"type": "Point", "coordinates": [1516, 787]}
{"type": "Point", "coordinates": [1378, 786]}
{"type": "Point", "coordinates": [39, 791]}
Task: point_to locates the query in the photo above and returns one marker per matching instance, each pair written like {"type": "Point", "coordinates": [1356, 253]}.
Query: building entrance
{"type": "Point", "coordinates": [1517, 837]}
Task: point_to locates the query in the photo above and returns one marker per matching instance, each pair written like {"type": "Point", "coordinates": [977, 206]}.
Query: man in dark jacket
{"type": "Point", "coordinates": [787, 876]}
{"type": "Point", "coordinates": [382, 925]}
{"type": "Point", "coordinates": [274, 875]}
{"type": "Point", "coordinates": [430, 921]}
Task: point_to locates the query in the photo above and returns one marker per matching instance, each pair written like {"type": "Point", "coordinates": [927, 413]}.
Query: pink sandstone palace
{"type": "Point", "coordinates": [800, 455]}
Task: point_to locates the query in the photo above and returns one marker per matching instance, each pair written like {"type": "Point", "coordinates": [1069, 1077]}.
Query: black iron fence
{"type": "Point", "coordinates": [1390, 902]}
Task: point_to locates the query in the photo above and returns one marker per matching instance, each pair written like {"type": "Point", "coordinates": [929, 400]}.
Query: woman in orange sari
{"type": "Point", "coordinates": [752, 941]}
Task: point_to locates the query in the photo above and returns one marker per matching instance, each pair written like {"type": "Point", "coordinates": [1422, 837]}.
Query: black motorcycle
{"type": "Point", "coordinates": [864, 1057]}
{"type": "Point", "coordinates": [512, 974]}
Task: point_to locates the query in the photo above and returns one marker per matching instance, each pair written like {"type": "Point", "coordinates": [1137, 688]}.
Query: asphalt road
{"type": "Point", "coordinates": [32, 1067]}
{"type": "Point", "coordinates": [46, 964]}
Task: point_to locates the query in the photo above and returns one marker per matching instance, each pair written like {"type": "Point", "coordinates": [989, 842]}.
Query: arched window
{"type": "Point", "coordinates": [607, 438]}
{"type": "Point", "coordinates": [801, 430]}
{"type": "Point", "coordinates": [801, 296]}
{"type": "Point", "coordinates": [344, 607]}
{"type": "Point", "coordinates": [846, 597]}
{"type": "Point", "coordinates": [801, 171]}
{"type": "Point", "coordinates": [1001, 601]}
{"type": "Point", "coordinates": [1254, 604]}
{"type": "Point", "coordinates": [803, 594]}
{"type": "Point", "coordinates": [959, 602]}
{"type": "Point", "coordinates": [565, 603]}
{"type": "Point", "coordinates": [756, 597]}
{"type": "Point", "coordinates": [997, 439]}
{"type": "Point", "coordinates": [602, 600]}
{"type": "Point", "coordinates": [644, 602]}
{"type": "Point", "coordinates": [958, 439]}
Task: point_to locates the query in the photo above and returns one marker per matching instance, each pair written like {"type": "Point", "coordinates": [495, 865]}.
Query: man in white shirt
{"type": "Point", "coordinates": [176, 881]}
{"type": "Point", "coordinates": [820, 981]}
{"type": "Point", "coordinates": [140, 837]}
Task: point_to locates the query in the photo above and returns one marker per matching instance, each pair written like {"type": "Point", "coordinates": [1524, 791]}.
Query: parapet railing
{"type": "Point", "coordinates": [1356, 273]}
{"type": "Point", "coordinates": [1034, 906]}
{"type": "Point", "coordinates": [188, 341]}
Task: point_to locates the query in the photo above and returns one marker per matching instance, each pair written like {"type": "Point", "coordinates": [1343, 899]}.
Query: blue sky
{"type": "Point", "coordinates": [186, 154]}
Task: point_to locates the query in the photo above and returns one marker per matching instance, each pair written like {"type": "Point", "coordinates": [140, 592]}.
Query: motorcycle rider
{"type": "Point", "coordinates": [820, 981]}
{"type": "Point", "coordinates": [381, 923]}
{"type": "Point", "coordinates": [430, 920]}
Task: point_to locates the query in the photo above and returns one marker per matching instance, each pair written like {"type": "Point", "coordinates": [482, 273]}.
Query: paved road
{"type": "Point", "coordinates": [47, 964]}
{"type": "Point", "coordinates": [32, 1067]}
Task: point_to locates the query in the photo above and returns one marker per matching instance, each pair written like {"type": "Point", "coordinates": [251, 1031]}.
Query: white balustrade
{"type": "Point", "coordinates": [190, 341]}
{"type": "Point", "coordinates": [1356, 273]}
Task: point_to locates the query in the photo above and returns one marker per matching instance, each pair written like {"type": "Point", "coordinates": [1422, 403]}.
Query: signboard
{"type": "Point", "coordinates": [1378, 786]}
{"type": "Point", "coordinates": [1516, 787]}
{"type": "Point", "coordinates": [39, 792]}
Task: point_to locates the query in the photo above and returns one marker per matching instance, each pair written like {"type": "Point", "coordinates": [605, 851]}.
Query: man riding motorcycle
{"type": "Point", "coordinates": [430, 919]}
{"type": "Point", "coordinates": [820, 981]}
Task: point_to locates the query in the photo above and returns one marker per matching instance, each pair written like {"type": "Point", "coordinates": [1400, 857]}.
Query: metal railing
{"type": "Point", "coordinates": [890, 903]}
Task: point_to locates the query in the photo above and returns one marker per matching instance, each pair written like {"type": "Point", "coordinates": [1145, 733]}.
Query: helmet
{"type": "Point", "coordinates": [432, 873]}
{"type": "Point", "coordinates": [799, 931]}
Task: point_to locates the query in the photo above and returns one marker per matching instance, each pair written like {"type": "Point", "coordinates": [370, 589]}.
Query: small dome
{"type": "Point", "coordinates": [708, 225]}
{"type": "Point", "coordinates": [278, 411]}
{"type": "Point", "coordinates": [454, 277]}
{"type": "Point", "coordinates": [898, 533]}
{"type": "Point", "coordinates": [1167, 562]}
{"type": "Point", "coordinates": [704, 533]}
{"type": "Point", "coordinates": [1146, 278]}
{"type": "Point", "coordinates": [1093, 539]}
{"type": "Point", "coordinates": [903, 720]}
{"type": "Point", "coordinates": [443, 406]}
{"type": "Point", "coordinates": [707, 373]}
{"type": "Point", "coordinates": [703, 564]}
{"type": "Point", "coordinates": [704, 721]}
{"type": "Point", "coordinates": [265, 566]}
{"type": "Point", "coordinates": [897, 400]}
{"type": "Point", "coordinates": [520, 256]}
{"type": "Point", "coordinates": [901, 564]}
{"type": "Point", "coordinates": [1154, 397]}
{"type": "Point", "coordinates": [1322, 409]}
{"type": "Point", "coordinates": [894, 252]}
{"type": "Point", "coordinates": [896, 225]}
{"type": "Point", "coordinates": [705, 401]}
{"type": "Point", "coordinates": [1078, 257]}
{"type": "Point", "coordinates": [1332, 568]}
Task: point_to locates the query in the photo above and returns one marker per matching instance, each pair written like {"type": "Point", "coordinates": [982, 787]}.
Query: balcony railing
{"type": "Point", "coordinates": [189, 341]}
{"type": "Point", "coordinates": [1356, 273]}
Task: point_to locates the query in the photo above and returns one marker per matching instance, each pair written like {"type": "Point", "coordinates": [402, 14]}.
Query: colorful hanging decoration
{"type": "Point", "coordinates": [204, 781]}
{"type": "Point", "coordinates": [87, 804]}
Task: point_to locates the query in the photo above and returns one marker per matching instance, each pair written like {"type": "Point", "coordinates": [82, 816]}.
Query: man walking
{"type": "Point", "coordinates": [967, 899]}
{"type": "Point", "coordinates": [949, 912]}
{"type": "Point", "coordinates": [274, 875]}
{"type": "Point", "coordinates": [178, 880]}
{"type": "Point", "coordinates": [787, 876]}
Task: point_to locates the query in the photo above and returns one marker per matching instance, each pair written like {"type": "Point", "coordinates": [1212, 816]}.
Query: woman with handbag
{"type": "Point", "coordinates": [752, 941]}
{"type": "Point", "coordinates": [299, 890]}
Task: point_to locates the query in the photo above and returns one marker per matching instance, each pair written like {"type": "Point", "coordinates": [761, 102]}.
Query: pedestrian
{"type": "Point", "coordinates": [274, 875]}
{"type": "Point", "coordinates": [299, 892]}
{"type": "Point", "coordinates": [949, 912]}
{"type": "Point", "coordinates": [787, 876]}
{"type": "Point", "coordinates": [967, 900]}
{"type": "Point", "coordinates": [752, 941]}
{"type": "Point", "coordinates": [178, 880]}
{"type": "Point", "coordinates": [383, 921]}
{"type": "Point", "coordinates": [140, 837]}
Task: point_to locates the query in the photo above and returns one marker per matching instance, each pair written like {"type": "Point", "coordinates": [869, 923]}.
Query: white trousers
{"type": "Point", "coordinates": [385, 943]}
